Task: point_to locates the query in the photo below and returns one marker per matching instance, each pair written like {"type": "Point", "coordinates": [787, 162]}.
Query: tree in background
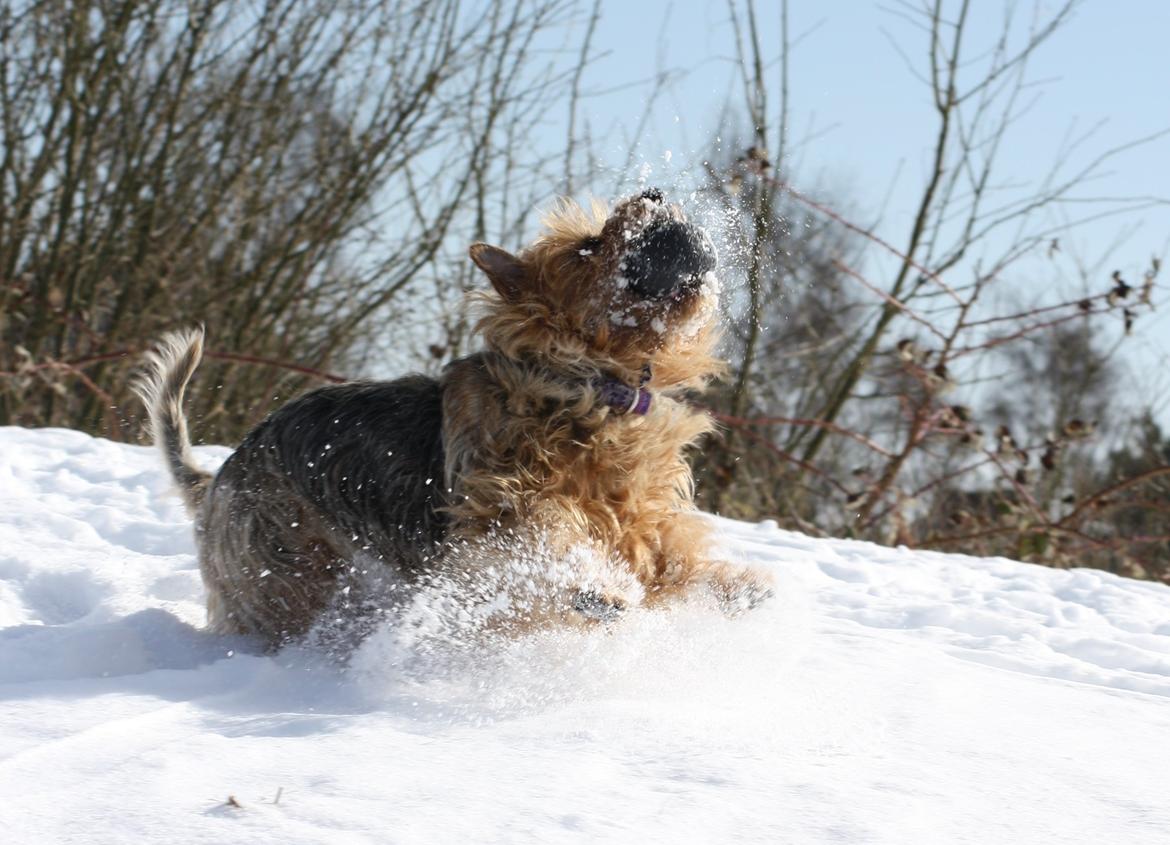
{"type": "Point", "coordinates": [304, 176]}
{"type": "Point", "coordinates": [915, 400]}
{"type": "Point", "coordinates": [286, 172]}
{"type": "Point", "coordinates": [1133, 503]}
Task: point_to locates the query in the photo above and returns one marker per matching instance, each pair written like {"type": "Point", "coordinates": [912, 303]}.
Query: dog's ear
{"type": "Point", "coordinates": [507, 273]}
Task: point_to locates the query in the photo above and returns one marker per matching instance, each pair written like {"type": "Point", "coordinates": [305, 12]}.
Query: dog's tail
{"type": "Point", "coordinates": [167, 370]}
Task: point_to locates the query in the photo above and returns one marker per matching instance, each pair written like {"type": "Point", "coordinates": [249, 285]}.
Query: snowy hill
{"type": "Point", "coordinates": [887, 696]}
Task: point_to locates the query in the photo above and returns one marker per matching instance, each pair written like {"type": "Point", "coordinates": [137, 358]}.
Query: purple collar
{"type": "Point", "coordinates": [625, 399]}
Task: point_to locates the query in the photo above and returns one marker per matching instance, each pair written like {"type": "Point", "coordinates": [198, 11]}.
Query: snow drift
{"type": "Point", "coordinates": [887, 695]}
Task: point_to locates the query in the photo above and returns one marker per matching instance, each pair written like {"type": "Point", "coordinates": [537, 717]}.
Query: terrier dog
{"type": "Point", "coordinates": [568, 427]}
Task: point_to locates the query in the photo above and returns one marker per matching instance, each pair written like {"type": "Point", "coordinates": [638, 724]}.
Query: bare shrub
{"type": "Point", "coordinates": [911, 398]}
{"type": "Point", "coordinates": [284, 172]}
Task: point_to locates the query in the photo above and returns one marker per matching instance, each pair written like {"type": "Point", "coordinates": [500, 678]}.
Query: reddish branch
{"type": "Point", "coordinates": [893, 302]}
{"type": "Point", "coordinates": [865, 233]}
{"type": "Point", "coordinates": [75, 364]}
{"type": "Point", "coordinates": [758, 438]}
{"type": "Point", "coordinates": [1100, 497]}
{"type": "Point", "coordinates": [740, 422]}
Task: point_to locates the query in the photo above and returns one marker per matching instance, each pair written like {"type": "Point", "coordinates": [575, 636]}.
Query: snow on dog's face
{"type": "Point", "coordinates": [625, 287]}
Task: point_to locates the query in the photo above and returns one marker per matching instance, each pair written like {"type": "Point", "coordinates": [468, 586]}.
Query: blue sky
{"type": "Point", "coordinates": [871, 122]}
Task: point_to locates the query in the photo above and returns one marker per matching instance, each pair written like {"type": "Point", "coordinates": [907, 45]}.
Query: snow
{"type": "Point", "coordinates": [885, 696]}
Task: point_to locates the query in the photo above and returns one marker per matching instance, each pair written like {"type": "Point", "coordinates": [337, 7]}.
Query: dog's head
{"type": "Point", "coordinates": [621, 290]}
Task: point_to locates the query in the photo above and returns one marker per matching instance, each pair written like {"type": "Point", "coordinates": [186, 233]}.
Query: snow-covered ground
{"type": "Point", "coordinates": [886, 696]}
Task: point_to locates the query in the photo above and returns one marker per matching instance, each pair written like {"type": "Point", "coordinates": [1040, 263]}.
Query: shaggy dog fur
{"type": "Point", "coordinates": [517, 440]}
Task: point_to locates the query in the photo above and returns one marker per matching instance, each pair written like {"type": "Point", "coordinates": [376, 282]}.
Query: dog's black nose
{"type": "Point", "coordinates": [652, 194]}
{"type": "Point", "coordinates": [667, 256]}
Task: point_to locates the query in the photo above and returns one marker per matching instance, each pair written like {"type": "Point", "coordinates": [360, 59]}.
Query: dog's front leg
{"type": "Point", "coordinates": [688, 566]}
{"type": "Point", "coordinates": [550, 571]}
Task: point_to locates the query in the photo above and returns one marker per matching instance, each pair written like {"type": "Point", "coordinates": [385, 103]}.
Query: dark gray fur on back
{"type": "Point", "coordinates": [369, 454]}
{"type": "Point", "coordinates": [332, 482]}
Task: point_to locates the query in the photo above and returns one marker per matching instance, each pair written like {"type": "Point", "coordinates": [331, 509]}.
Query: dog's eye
{"type": "Point", "coordinates": [589, 246]}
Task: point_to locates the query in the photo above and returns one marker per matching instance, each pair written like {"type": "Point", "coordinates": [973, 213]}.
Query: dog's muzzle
{"type": "Point", "coordinates": [668, 258]}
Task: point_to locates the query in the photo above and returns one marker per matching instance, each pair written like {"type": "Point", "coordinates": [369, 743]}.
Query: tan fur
{"type": "Point", "coordinates": [166, 371]}
{"type": "Point", "coordinates": [565, 322]}
{"type": "Point", "coordinates": [525, 445]}
{"type": "Point", "coordinates": [345, 477]}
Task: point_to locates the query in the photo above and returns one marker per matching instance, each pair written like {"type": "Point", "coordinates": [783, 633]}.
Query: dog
{"type": "Point", "coordinates": [569, 429]}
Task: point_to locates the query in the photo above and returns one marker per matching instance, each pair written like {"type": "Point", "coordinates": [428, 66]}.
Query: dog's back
{"type": "Point", "coordinates": [344, 478]}
{"type": "Point", "coordinates": [341, 480]}
{"type": "Point", "coordinates": [369, 454]}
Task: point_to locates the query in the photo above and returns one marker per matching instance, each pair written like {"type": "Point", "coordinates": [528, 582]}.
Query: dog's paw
{"type": "Point", "coordinates": [741, 590]}
{"type": "Point", "coordinates": [746, 599]}
{"type": "Point", "coordinates": [600, 607]}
